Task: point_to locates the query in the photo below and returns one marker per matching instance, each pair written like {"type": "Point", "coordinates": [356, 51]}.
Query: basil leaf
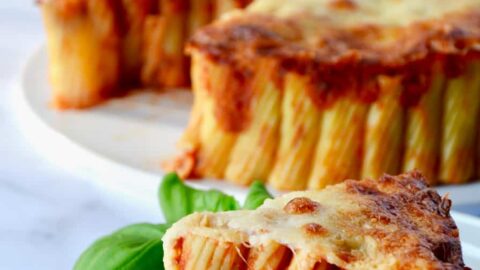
{"type": "Point", "coordinates": [178, 200]}
{"type": "Point", "coordinates": [256, 196]}
{"type": "Point", "coordinates": [137, 246]}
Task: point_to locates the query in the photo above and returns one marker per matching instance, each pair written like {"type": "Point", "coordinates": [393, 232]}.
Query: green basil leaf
{"type": "Point", "coordinates": [178, 200]}
{"type": "Point", "coordinates": [137, 246]}
{"type": "Point", "coordinates": [256, 196]}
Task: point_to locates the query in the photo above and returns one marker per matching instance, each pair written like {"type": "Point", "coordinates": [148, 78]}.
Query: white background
{"type": "Point", "coordinates": [48, 215]}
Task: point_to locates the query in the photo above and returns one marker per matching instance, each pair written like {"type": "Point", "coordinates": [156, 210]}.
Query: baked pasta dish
{"type": "Point", "coordinates": [307, 93]}
{"type": "Point", "coordinates": [99, 47]}
{"type": "Point", "coordinates": [393, 223]}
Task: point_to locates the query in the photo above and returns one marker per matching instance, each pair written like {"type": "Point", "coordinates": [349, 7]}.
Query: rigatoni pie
{"type": "Point", "coordinates": [304, 94]}
{"type": "Point", "coordinates": [99, 47]}
{"type": "Point", "coordinates": [392, 223]}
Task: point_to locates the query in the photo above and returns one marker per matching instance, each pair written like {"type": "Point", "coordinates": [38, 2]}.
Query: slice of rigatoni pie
{"type": "Point", "coordinates": [396, 222]}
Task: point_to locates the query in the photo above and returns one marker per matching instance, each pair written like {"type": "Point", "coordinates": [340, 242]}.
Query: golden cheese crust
{"type": "Point", "coordinates": [396, 222]}
{"type": "Point", "coordinates": [346, 42]}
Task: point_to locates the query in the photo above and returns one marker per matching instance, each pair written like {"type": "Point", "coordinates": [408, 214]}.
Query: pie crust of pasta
{"type": "Point", "coordinates": [396, 222]}
{"type": "Point", "coordinates": [99, 48]}
{"type": "Point", "coordinates": [308, 93]}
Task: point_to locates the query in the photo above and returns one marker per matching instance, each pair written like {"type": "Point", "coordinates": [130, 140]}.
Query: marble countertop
{"type": "Point", "coordinates": [49, 214]}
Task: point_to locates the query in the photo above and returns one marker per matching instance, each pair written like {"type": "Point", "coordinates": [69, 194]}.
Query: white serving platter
{"type": "Point", "coordinates": [121, 144]}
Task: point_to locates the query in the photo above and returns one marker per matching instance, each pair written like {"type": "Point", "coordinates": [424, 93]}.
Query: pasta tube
{"type": "Point", "coordinates": [422, 139]}
{"type": "Point", "coordinates": [254, 152]}
{"type": "Point", "coordinates": [134, 15]}
{"type": "Point", "coordinates": [184, 163]}
{"type": "Point", "coordinates": [460, 124]}
{"type": "Point", "coordinates": [200, 84]}
{"type": "Point", "coordinates": [298, 135]}
{"type": "Point", "coordinates": [323, 265]}
{"type": "Point", "coordinates": [223, 6]}
{"type": "Point", "coordinates": [164, 60]}
{"type": "Point", "coordinates": [199, 252]}
{"type": "Point", "coordinates": [383, 138]}
{"type": "Point", "coordinates": [215, 143]}
{"type": "Point", "coordinates": [200, 14]}
{"type": "Point", "coordinates": [269, 256]}
{"type": "Point", "coordinates": [83, 51]}
{"type": "Point", "coordinates": [338, 152]}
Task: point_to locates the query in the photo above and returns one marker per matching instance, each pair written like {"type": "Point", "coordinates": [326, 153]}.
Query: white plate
{"type": "Point", "coordinates": [469, 227]}
{"type": "Point", "coordinates": [121, 143]}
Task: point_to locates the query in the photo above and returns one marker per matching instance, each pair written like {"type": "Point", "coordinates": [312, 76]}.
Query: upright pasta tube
{"type": "Point", "coordinates": [83, 49]}
{"type": "Point", "coordinates": [133, 21]}
{"type": "Point", "coordinates": [338, 154]}
{"type": "Point", "coordinates": [200, 73]}
{"type": "Point", "coordinates": [215, 142]}
{"type": "Point", "coordinates": [298, 135]}
{"type": "Point", "coordinates": [164, 60]}
{"type": "Point", "coordinates": [460, 124]}
{"type": "Point", "coordinates": [184, 164]}
{"type": "Point", "coordinates": [200, 13]}
{"type": "Point", "coordinates": [302, 261]}
{"type": "Point", "coordinates": [254, 151]}
{"type": "Point", "coordinates": [269, 256]}
{"type": "Point", "coordinates": [384, 132]}
{"type": "Point", "coordinates": [223, 6]}
{"type": "Point", "coordinates": [323, 265]}
{"type": "Point", "coordinates": [199, 252]}
{"type": "Point", "coordinates": [423, 132]}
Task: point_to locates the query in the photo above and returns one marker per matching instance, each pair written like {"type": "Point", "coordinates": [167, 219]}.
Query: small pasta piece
{"type": "Point", "coordinates": [223, 6]}
{"type": "Point", "coordinates": [254, 151]}
{"type": "Point", "coordinates": [323, 265]}
{"type": "Point", "coordinates": [194, 245]}
{"type": "Point", "coordinates": [460, 124]}
{"type": "Point", "coordinates": [269, 256]}
{"type": "Point", "coordinates": [298, 135]}
{"type": "Point", "coordinates": [235, 258]}
{"type": "Point", "coordinates": [215, 143]}
{"type": "Point", "coordinates": [224, 254]}
{"type": "Point", "coordinates": [134, 15]}
{"type": "Point", "coordinates": [200, 84]}
{"type": "Point", "coordinates": [339, 150]}
{"type": "Point", "coordinates": [83, 51]}
{"type": "Point", "coordinates": [383, 138]}
{"type": "Point", "coordinates": [200, 14]}
{"type": "Point", "coordinates": [200, 252]}
{"type": "Point", "coordinates": [297, 263]}
{"type": "Point", "coordinates": [164, 60]}
{"type": "Point", "coordinates": [320, 266]}
{"type": "Point", "coordinates": [422, 137]}
{"type": "Point", "coordinates": [301, 261]}
{"type": "Point", "coordinates": [206, 253]}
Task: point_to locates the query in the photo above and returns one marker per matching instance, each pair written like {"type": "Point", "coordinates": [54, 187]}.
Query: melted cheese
{"type": "Point", "coordinates": [379, 12]}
